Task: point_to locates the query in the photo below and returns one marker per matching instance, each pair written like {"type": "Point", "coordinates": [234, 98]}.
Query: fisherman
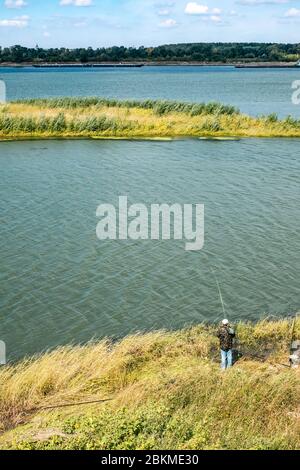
{"type": "Point", "coordinates": [295, 354]}
{"type": "Point", "coordinates": [226, 335]}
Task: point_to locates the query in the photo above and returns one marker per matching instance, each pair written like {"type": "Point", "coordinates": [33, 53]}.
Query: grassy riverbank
{"type": "Point", "coordinates": [166, 391]}
{"type": "Point", "coordinates": [104, 118]}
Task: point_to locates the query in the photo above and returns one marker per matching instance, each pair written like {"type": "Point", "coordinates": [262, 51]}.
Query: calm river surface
{"type": "Point", "coordinates": [59, 284]}
{"type": "Point", "coordinates": [254, 91]}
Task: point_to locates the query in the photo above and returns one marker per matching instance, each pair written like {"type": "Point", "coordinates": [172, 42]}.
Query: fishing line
{"type": "Point", "coordinates": [219, 289]}
{"type": "Point", "coordinates": [218, 286]}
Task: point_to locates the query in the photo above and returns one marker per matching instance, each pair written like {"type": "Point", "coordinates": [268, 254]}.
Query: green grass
{"type": "Point", "coordinates": [166, 391]}
{"type": "Point", "coordinates": [160, 107]}
{"type": "Point", "coordinates": [110, 118]}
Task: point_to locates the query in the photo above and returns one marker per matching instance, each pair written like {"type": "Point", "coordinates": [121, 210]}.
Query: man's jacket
{"type": "Point", "coordinates": [226, 335]}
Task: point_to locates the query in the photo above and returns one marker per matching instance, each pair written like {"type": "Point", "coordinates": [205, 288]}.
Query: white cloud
{"type": "Point", "coordinates": [18, 22]}
{"type": "Point", "coordinates": [15, 3]}
{"type": "Point", "coordinates": [207, 14]}
{"type": "Point", "coordinates": [76, 3]}
{"type": "Point", "coordinates": [292, 13]}
{"type": "Point", "coordinates": [261, 2]}
{"type": "Point", "coordinates": [169, 23]}
{"type": "Point", "coordinates": [215, 19]}
{"type": "Point", "coordinates": [165, 4]}
{"type": "Point", "coordinates": [46, 34]}
{"type": "Point", "coordinates": [163, 12]}
{"type": "Point", "coordinates": [194, 8]}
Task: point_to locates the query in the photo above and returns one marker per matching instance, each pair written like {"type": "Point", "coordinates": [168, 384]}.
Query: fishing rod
{"type": "Point", "coordinates": [219, 290]}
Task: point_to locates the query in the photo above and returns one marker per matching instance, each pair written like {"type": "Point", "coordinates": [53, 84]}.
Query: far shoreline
{"type": "Point", "coordinates": [45, 65]}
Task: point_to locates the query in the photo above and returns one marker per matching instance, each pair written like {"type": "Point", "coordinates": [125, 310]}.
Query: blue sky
{"type": "Point", "coordinates": [96, 23]}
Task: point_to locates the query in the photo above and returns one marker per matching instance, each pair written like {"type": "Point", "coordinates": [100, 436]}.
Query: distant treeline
{"type": "Point", "coordinates": [202, 52]}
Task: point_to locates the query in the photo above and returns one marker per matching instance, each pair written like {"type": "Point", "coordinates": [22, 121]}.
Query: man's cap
{"type": "Point", "coordinates": [225, 322]}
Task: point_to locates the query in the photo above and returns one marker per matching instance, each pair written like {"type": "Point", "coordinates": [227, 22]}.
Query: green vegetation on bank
{"type": "Point", "coordinates": [202, 52]}
{"type": "Point", "coordinates": [111, 118]}
{"type": "Point", "coordinates": [166, 389]}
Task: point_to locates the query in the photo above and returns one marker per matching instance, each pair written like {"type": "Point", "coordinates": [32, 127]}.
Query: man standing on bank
{"type": "Point", "coordinates": [226, 335]}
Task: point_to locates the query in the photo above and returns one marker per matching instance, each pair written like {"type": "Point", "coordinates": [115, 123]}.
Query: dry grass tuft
{"type": "Point", "coordinates": [167, 392]}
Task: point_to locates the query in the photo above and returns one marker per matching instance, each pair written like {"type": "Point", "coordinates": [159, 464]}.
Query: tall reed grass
{"type": "Point", "coordinates": [166, 391]}
{"type": "Point", "coordinates": [160, 107]}
{"type": "Point", "coordinates": [100, 117]}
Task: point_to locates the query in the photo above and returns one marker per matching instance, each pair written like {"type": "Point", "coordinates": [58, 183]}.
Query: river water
{"type": "Point", "coordinates": [257, 91]}
{"type": "Point", "coordinates": [59, 284]}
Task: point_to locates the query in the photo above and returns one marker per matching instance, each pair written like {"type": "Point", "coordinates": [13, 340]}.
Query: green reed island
{"type": "Point", "coordinates": [160, 390]}
{"type": "Point", "coordinates": [101, 118]}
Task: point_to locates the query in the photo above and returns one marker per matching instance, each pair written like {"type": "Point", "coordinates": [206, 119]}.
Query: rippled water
{"type": "Point", "coordinates": [60, 284]}
{"type": "Point", "coordinates": [254, 91]}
